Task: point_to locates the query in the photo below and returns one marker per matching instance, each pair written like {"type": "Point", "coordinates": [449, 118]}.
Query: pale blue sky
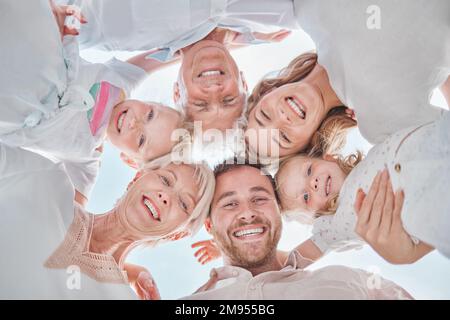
{"type": "Point", "coordinates": [173, 265]}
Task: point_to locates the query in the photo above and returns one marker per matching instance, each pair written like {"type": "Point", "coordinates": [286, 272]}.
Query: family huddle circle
{"type": "Point", "coordinates": [230, 160]}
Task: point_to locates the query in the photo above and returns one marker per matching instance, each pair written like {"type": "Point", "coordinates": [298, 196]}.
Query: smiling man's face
{"type": "Point", "coordinates": [245, 218]}
{"type": "Point", "coordinates": [211, 88]}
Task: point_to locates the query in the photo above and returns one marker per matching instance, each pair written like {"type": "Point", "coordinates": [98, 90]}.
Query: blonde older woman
{"type": "Point", "coordinates": [53, 248]}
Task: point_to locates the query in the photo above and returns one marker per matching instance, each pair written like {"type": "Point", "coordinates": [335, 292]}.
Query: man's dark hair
{"type": "Point", "coordinates": [230, 165]}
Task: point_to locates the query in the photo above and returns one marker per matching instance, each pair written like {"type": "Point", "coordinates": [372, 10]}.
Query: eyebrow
{"type": "Point", "coordinates": [226, 195]}
{"type": "Point", "coordinates": [259, 188]}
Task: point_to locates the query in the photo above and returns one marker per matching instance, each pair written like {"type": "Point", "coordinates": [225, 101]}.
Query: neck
{"type": "Point", "coordinates": [272, 264]}
{"type": "Point", "coordinates": [109, 237]}
{"type": "Point", "coordinates": [319, 79]}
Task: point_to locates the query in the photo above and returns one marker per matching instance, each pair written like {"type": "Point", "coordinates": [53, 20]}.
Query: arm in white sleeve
{"type": "Point", "coordinates": [119, 73]}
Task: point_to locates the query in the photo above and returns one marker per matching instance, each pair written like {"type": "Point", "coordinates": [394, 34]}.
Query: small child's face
{"type": "Point", "coordinates": [309, 184]}
{"type": "Point", "coordinates": [143, 130]}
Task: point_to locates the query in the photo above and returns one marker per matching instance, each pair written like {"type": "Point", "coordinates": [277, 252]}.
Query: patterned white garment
{"type": "Point", "coordinates": [418, 160]}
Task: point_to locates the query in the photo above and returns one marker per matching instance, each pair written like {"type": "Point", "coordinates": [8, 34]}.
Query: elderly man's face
{"type": "Point", "coordinates": [210, 86]}
{"type": "Point", "coordinates": [245, 219]}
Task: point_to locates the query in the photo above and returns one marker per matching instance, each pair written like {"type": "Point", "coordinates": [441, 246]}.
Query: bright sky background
{"type": "Point", "coordinates": [173, 265]}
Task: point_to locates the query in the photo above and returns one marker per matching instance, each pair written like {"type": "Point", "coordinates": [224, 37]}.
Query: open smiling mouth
{"type": "Point", "coordinates": [210, 73]}
{"type": "Point", "coordinates": [152, 209]}
{"type": "Point", "coordinates": [120, 120]}
{"type": "Point", "coordinates": [328, 186]}
{"type": "Point", "coordinates": [249, 233]}
{"type": "Point", "coordinates": [296, 106]}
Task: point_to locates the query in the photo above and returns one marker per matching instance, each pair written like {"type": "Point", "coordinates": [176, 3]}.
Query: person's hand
{"type": "Point", "coordinates": [61, 12]}
{"type": "Point", "coordinates": [379, 222]}
{"type": "Point", "coordinates": [208, 251]}
{"type": "Point", "coordinates": [145, 287]}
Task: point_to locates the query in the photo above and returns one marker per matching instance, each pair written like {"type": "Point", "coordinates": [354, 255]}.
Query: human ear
{"type": "Point", "coordinates": [129, 161]}
{"type": "Point", "coordinates": [208, 226]}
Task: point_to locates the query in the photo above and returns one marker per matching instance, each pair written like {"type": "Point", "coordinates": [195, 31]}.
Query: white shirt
{"type": "Point", "coordinates": [418, 160]}
{"type": "Point", "coordinates": [36, 210]}
{"type": "Point", "coordinates": [44, 91]}
{"type": "Point", "coordinates": [386, 75]}
{"type": "Point", "coordinates": [174, 24]}
{"type": "Point", "coordinates": [294, 283]}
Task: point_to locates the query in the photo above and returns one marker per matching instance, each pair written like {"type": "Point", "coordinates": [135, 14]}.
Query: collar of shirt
{"type": "Point", "coordinates": [226, 275]}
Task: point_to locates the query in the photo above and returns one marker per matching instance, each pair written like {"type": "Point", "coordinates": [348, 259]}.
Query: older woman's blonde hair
{"type": "Point", "coordinates": [336, 122]}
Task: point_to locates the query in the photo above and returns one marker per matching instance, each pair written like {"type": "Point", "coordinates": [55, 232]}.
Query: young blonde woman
{"type": "Point", "coordinates": [380, 58]}
{"type": "Point", "coordinates": [300, 104]}
{"type": "Point", "coordinates": [52, 248]}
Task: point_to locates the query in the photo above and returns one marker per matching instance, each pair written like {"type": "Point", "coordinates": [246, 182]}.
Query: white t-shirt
{"type": "Point", "coordinates": [175, 24]}
{"type": "Point", "coordinates": [45, 98]}
{"type": "Point", "coordinates": [36, 210]}
{"type": "Point", "coordinates": [386, 75]}
{"type": "Point", "coordinates": [418, 160]}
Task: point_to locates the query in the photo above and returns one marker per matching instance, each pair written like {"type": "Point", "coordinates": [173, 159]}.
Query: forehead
{"type": "Point", "coordinates": [241, 180]}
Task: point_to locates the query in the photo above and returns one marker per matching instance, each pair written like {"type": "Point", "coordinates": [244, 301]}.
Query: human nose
{"type": "Point", "coordinates": [283, 116]}
{"type": "Point", "coordinates": [247, 214]}
{"type": "Point", "coordinates": [314, 183]}
{"type": "Point", "coordinates": [134, 123]}
{"type": "Point", "coordinates": [163, 199]}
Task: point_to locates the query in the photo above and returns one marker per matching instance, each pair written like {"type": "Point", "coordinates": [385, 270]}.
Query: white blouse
{"type": "Point", "coordinates": [36, 213]}
{"type": "Point", "coordinates": [385, 74]}
{"type": "Point", "coordinates": [174, 24]}
{"type": "Point", "coordinates": [418, 160]}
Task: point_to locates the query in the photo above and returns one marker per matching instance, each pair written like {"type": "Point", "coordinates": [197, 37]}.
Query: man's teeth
{"type": "Point", "coordinates": [210, 73]}
{"type": "Point", "coordinates": [248, 232]}
{"type": "Point", "coordinates": [120, 121]}
{"type": "Point", "coordinates": [152, 209]}
{"type": "Point", "coordinates": [296, 107]}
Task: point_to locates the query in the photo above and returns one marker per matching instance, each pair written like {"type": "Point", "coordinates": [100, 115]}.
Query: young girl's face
{"type": "Point", "coordinates": [143, 130]}
{"type": "Point", "coordinates": [309, 184]}
{"type": "Point", "coordinates": [295, 110]}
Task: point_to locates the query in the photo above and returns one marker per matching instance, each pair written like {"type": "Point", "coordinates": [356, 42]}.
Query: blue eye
{"type": "Point", "coordinates": [259, 200]}
{"type": "Point", "coordinates": [230, 205]}
{"type": "Point", "coordinates": [141, 141]}
{"type": "Point", "coordinates": [285, 137]}
{"type": "Point", "coordinates": [183, 206]}
{"type": "Point", "coordinates": [150, 115]}
{"type": "Point", "coordinates": [306, 197]}
{"type": "Point", "coordinates": [164, 180]}
{"type": "Point", "coordinates": [229, 101]}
